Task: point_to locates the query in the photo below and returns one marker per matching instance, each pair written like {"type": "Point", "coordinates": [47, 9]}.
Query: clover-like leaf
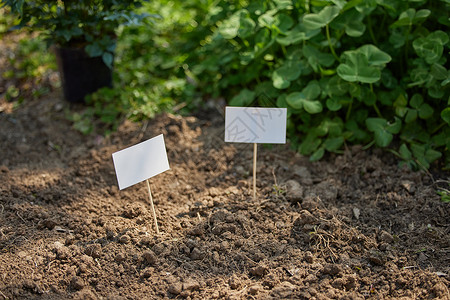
{"type": "Point", "coordinates": [383, 130]}
{"type": "Point", "coordinates": [279, 81]}
{"type": "Point", "coordinates": [246, 25]}
{"type": "Point", "coordinates": [317, 58]}
{"type": "Point", "coordinates": [365, 7]}
{"type": "Point", "coordinates": [351, 22]}
{"type": "Point", "coordinates": [431, 47]}
{"type": "Point", "coordinates": [425, 111]}
{"type": "Point", "coordinates": [295, 100]}
{"type": "Point", "coordinates": [244, 98]}
{"type": "Point", "coordinates": [322, 18]}
{"type": "Point", "coordinates": [410, 17]}
{"type": "Point", "coordinates": [445, 115]}
{"type": "Point", "coordinates": [375, 56]}
{"type": "Point", "coordinates": [356, 68]}
{"type": "Point", "coordinates": [283, 22]}
{"type": "Point", "coordinates": [439, 72]}
{"type": "Point", "coordinates": [333, 104]}
{"type": "Point", "coordinates": [333, 144]}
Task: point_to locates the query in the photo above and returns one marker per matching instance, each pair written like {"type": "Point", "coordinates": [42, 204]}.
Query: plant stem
{"type": "Point", "coordinates": [377, 110]}
{"type": "Point", "coordinates": [439, 127]}
{"type": "Point", "coordinates": [372, 35]}
{"type": "Point", "coordinates": [327, 28]}
{"type": "Point", "coordinates": [349, 110]}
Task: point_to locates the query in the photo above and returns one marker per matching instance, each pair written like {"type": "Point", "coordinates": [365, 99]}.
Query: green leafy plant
{"type": "Point", "coordinates": [89, 24]}
{"type": "Point", "coordinates": [349, 72]}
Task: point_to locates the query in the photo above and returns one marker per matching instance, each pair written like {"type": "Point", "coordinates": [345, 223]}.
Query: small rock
{"type": "Point", "coordinates": [77, 283]}
{"type": "Point", "coordinates": [332, 269]}
{"type": "Point", "coordinates": [302, 172]}
{"type": "Point", "coordinates": [376, 257]}
{"type": "Point", "coordinates": [422, 257]}
{"type": "Point", "coordinates": [259, 270]}
{"type": "Point", "coordinates": [309, 257]}
{"type": "Point", "coordinates": [120, 257]}
{"type": "Point", "coordinates": [234, 282]}
{"type": "Point", "coordinates": [356, 213]}
{"type": "Point", "coordinates": [311, 203]}
{"type": "Point", "coordinates": [196, 254]}
{"type": "Point", "coordinates": [4, 169]}
{"type": "Point", "coordinates": [255, 289]}
{"type": "Point", "coordinates": [175, 288]}
{"type": "Point", "coordinates": [213, 192]}
{"type": "Point", "coordinates": [191, 285]}
{"type": "Point", "coordinates": [305, 218]}
{"type": "Point", "coordinates": [294, 191]}
{"type": "Point", "coordinates": [124, 239]}
{"type": "Point", "coordinates": [409, 186]}
{"type": "Point", "coordinates": [94, 250]}
{"type": "Point", "coordinates": [149, 257]}
{"type": "Point", "coordinates": [241, 171]}
{"type": "Point", "coordinates": [386, 237]}
{"type": "Point", "coordinates": [283, 291]}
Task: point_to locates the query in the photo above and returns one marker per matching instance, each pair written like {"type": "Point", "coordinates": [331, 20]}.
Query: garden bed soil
{"type": "Point", "coordinates": [353, 226]}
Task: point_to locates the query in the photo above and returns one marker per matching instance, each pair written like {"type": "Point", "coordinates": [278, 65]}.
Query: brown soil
{"type": "Point", "coordinates": [353, 226]}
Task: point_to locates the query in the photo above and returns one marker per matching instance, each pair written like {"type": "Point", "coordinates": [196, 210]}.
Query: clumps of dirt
{"type": "Point", "coordinates": [353, 226]}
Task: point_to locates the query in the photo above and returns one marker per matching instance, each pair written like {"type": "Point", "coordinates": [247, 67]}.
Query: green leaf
{"type": "Point", "coordinates": [283, 22]}
{"type": "Point", "coordinates": [312, 107]}
{"type": "Point", "coordinates": [351, 22]}
{"type": "Point", "coordinates": [411, 115]}
{"type": "Point", "coordinates": [425, 111]}
{"type": "Point", "coordinates": [383, 130]}
{"type": "Point", "coordinates": [230, 27]}
{"type": "Point", "coordinates": [416, 101]}
{"type": "Point", "coordinates": [439, 72]}
{"type": "Point", "coordinates": [333, 104]}
{"type": "Point", "coordinates": [316, 58]}
{"type": "Point", "coordinates": [93, 50]}
{"type": "Point", "coordinates": [279, 81]}
{"type": "Point", "coordinates": [246, 25]}
{"type": "Point", "coordinates": [375, 56]}
{"type": "Point", "coordinates": [317, 155]}
{"type": "Point", "coordinates": [333, 144]}
{"type": "Point", "coordinates": [312, 90]}
{"type": "Point", "coordinates": [404, 152]}
{"type": "Point", "coordinates": [356, 68]}
{"type": "Point", "coordinates": [336, 86]}
{"type": "Point", "coordinates": [445, 115]}
{"type": "Point", "coordinates": [108, 59]}
{"type": "Point", "coordinates": [431, 47]}
{"type": "Point", "coordinates": [321, 19]}
{"type": "Point", "coordinates": [244, 98]}
{"type": "Point", "coordinates": [290, 70]}
{"type": "Point", "coordinates": [295, 100]}
{"type": "Point", "coordinates": [411, 17]}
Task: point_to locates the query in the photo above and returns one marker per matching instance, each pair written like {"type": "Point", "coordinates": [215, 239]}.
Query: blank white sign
{"type": "Point", "coordinates": [140, 162]}
{"type": "Point", "coordinates": [255, 125]}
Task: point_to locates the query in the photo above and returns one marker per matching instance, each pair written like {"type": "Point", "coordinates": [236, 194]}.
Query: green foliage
{"type": "Point", "coordinates": [349, 72]}
{"type": "Point", "coordinates": [90, 24]}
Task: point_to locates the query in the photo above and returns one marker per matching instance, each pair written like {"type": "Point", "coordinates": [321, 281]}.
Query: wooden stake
{"type": "Point", "coordinates": [153, 207]}
{"type": "Point", "coordinates": [255, 150]}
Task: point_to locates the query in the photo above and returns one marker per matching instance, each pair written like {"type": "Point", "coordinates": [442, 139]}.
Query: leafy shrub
{"type": "Point", "coordinates": [349, 72]}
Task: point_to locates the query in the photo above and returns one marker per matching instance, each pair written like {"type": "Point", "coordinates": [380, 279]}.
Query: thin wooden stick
{"type": "Point", "coordinates": [255, 150]}
{"type": "Point", "coordinates": [153, 207]}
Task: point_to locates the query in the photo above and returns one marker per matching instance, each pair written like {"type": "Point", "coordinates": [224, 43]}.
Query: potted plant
{"type": "Point", "coordinates": [84, 33]}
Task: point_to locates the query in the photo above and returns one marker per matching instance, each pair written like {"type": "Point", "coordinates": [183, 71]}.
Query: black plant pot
{"type": "Point", "coordinates": [81, 75]}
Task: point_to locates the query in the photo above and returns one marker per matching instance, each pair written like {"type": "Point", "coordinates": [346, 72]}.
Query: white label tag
{"type": "Point", "coordinates": [140, 162]}
{"type": "Point", "coordinates": [255, 125]}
